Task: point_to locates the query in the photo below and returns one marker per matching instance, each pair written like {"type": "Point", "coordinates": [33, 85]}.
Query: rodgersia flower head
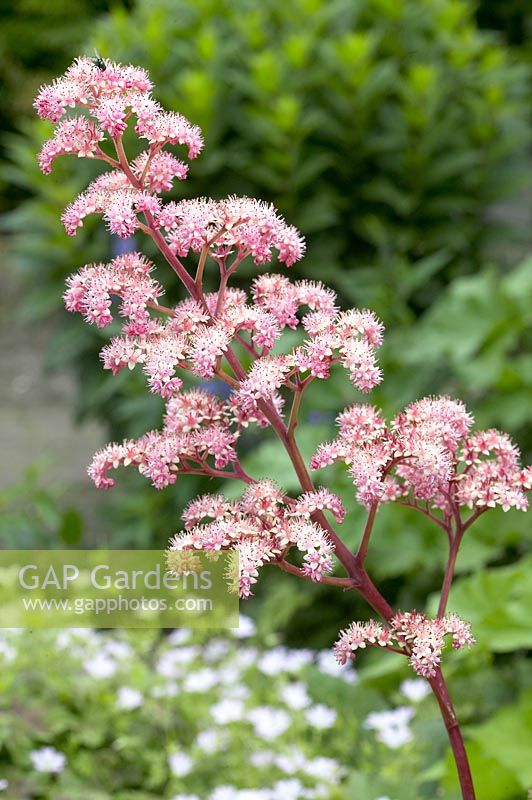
{"type": "Point", "coordinates": [419, 637]}
{"type": "Point", "coordinates": [262, 527]}
{"type": "Point", "coordinates": [427, 455]}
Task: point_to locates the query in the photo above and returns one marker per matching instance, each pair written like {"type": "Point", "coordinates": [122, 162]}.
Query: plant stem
{"type": "Point", "coordinates": [343, 583]}
{"type": "Point", "coordinates": [294, 413]}
{"type": "Point", "coordinates": [364, 543]}
{"type": "Point", "coordinates": [174, 262]}
{"type": "Point", "coordinates": [201, 266]}
{"type": "Point", "coordinates": [454, 733]}
{"type": "Point", "coordinates": [454, 547]}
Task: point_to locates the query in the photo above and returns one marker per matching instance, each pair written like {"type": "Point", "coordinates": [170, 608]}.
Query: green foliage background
{"type": "Point", "coordinates": [391, 132]}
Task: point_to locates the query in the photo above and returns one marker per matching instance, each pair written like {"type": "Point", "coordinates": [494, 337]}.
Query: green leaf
{"type": "Point", "coordinates": [71, 527]}
{"type": "Point", "coordinates": [497, 603]}
{"type": "Point", "coordinates": [506, 739]}
{"type": "Point", "coordinates": [492, 779]}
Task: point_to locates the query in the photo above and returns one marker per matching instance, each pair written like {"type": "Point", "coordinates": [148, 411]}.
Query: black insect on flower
{"type": "Point", "coordinates": [98, 61]}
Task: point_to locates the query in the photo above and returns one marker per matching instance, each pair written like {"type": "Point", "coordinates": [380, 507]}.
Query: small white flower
{"type": "Point", "coordinates": [180, 764]}
{"type": "Point", "coordinates": [391, 726]}
{"type": "Point", "coordinates": [327, 663]}
{"type": "Point", "coordinates": [231, 710]}
{"type": "Point", "coordinates": [282, 659]}
{"type": "Point", "coordinates": [179, 636]}
{"type": "Point", "coordinates": [295, 695]}
{"type": "Point", "coordinates": [320, 792]}
{"type": "Point", "coordinates": [262, 758]}
{"type": "Point", "coordinates": [226, 675]}
{"type": "Point", "coordinates": [395, 737]}
{"type": "Point", "coordinates": [63, 640]}
{"type": "Point", "coordinates": [201, 681]}
{"type": "Point", "coordinates": [321, 717]}
{"type": "Point", "coordinates": [48, 759]}
{"type": "Point", "coordinates": [291, 789]}
{"type": "Point", "coordinates": [324, 769]}
{"type": "Point", "coordinates": [415, 689]}
{"type": "Point", "coordinates": [236, 692]}
{"type": "Point", "coordinates": [68, 635]}
{"type": "Point", "coordinates": [297, 659]}
{"type": "Point", "coordinates": [224, 793]}
{"type": "Point", "coordinates": [210, 741]}
{"type": "Point", "coordinates": [269, 723]}
{"type": "Point", "coordinates": [215, 650]}
{"type": "Point", "coordinates": [117, 649]}
{"type": "Point", "coordinates": [100, 666]}
{"type": "Point", "coordinates": [7, 651]}
{"type": "Point", "coordinates": [168, 689]}
{"type": "Point", "coordinates": [244, 658]}
{"type": "Point", "coordinates": [172, 663]}
{"type": "Point", "coordinates": [185, 797]}
{"type": "Point", "coordinates": [255, 794]}
{"type": "Point", "coordinates": [272, 662]}
{"type": "Point", "coordinates": [246, 628]}
{"type": "Point", "coordinates": [293, 761]}
{"type": "Point", "coordinates": [129, 698]}
{"type": "Point", "coordinates": [3, 784]}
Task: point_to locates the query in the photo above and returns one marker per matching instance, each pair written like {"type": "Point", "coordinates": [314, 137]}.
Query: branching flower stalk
{"type": "Point", "coordinates": [427, 458]}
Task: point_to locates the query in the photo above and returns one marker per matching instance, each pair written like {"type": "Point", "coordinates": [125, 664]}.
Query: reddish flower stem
{"type": "Point", "coordinates": [366, 536]}
{"type": "Point", "coordinates": [452, 726]}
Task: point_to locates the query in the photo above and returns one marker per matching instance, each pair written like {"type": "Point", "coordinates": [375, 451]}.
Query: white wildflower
{"type": "Point", "coordinates": [48, 759]}
{"type": "Point", "coordinates": [391, 726]}
{"type": "Point", "coordinates": [269, 723]}
{"type": "Point", "coordinates": [327, 663]}
{"type": "Point", "coordinates": [231, 710]}
{"type": "Point", "coordinates": [321, 716]}
{"type": "Point", "coordinates": [246, 628]}
{"type": "Point", "coordinates": [100, 666]}
{"type": "Point", "coordinates": [295, 695]}
{"type": "Point", "coordinates": [128, 698]}
{"type": "Point", "coordinates": [202, 680]}
{"type": "Point", "coordinates": [180, 764]}
{"type": "Point", "coordinates": [415, 689]}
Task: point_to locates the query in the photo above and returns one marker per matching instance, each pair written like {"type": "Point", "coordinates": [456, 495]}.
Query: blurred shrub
{"type": "Point", "coordinates": [383, 129]}
{"type": "Point", "coordinates": [36, 40]}
{"type": "Point", "coordinates": [513, 17]}
{"type": "Point", "coordinates": [117, 709]}
{"type": "Point", "coordinates": [34, 515]}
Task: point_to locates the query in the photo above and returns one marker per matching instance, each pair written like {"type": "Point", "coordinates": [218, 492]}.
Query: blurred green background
{"type": "Point", "coordinates": [397, 135]}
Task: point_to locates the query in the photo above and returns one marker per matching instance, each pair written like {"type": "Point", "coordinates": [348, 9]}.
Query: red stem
{"type": "Point", "coordinates": [366, 536]}
{"type": "Point", "coordinates": [449, 570]}
{"type": "Point", "coordinates": [452, 726]}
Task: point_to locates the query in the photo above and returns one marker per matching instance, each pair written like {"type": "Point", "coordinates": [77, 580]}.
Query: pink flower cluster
{"type": "Point", "coordinates": [421, 638]}
{"type": "Point", "coordinates": [250, 226]}
{"type": "Point", "coordinates": [112, 196]}
{"type": "Point", "coordinates": [110, 95]}
{"type": "Point", "coordinates": [194, 338]}
{"type": "Point", "coordinates": [90, 292]}
{"type": "Point", "coordinates": [196, 434]}
{"type": "Point", "coordinates": [427, 455]}
{"type": "Point", "coordinates": [76, 135]}
{"type": "Point", "coordinates": [262, 527]}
